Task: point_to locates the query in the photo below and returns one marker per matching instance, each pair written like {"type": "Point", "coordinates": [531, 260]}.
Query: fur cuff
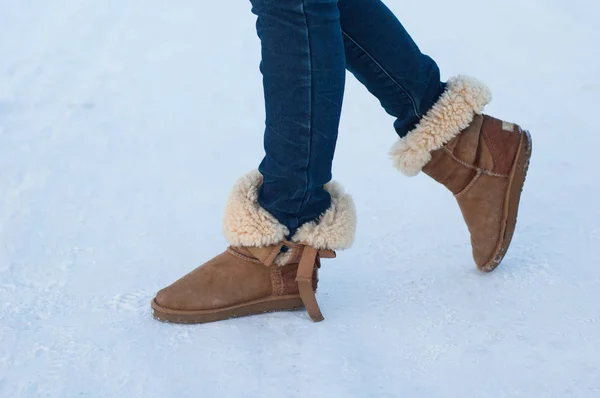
{"type": "Point", "coordinates": [452, 113]}
{"type": "Point", "coordinates": [247, 224]}
{"type": "Point", "coordinates": [335, 229]}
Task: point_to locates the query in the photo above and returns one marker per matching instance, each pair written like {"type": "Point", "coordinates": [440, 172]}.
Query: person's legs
{"type": "Point", "coordinates": [383, 56]}
{"type": "Point", "coordinates": [303, 66]}
{"type": "Point", "coordinates": [482, 160]}
{"type": "Point", "coordinates": [281, 220]}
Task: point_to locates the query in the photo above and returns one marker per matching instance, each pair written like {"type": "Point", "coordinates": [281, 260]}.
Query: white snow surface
{"type": "Point", "coordinates": [123, 126]}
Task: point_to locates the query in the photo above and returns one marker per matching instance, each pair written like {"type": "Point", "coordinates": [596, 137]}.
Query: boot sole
{"type": "Point", "coordinates": [260, 306]}
{"type": "Point", "coordinates": [511, 203]}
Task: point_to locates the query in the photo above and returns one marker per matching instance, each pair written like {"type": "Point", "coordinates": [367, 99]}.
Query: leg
{"type": "Point", "coordinates": [383, 56]}
{"type": "Point", "coordinates": [303, 66]}
{"type": "Point", "coordinates": [276, 242]}
{"type": "Point", "coordinates": [482, 160]}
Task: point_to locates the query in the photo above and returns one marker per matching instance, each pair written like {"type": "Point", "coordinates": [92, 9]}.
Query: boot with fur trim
{"type": "Point", "coordinates": [483, 161]}
{"type": "Point", "coordinates": [261, 271]}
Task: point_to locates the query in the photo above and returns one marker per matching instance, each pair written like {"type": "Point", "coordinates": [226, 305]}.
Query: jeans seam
{"type": "Point", "coordinates": [310, 105]}
{"type": "Point", "coordinates": [412, 100]}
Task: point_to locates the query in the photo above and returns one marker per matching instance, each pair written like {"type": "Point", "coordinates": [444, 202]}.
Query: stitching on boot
{"type": "Point", "coordinates": [490, 143]}
{"type": "Point", "coordinates": [274, 289]}
{"type": "Point", "coordinates": [241, 256]}
{"type": "Point", "coordinates": [473, 181]}
{"type": "Point", "coordinates": [277, 281]}
{"type": "Point", "coordinates": [470, 166]}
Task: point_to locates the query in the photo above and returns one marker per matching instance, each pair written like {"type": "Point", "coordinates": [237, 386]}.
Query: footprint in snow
{"type": "Point", "coordinates": [136, 301]}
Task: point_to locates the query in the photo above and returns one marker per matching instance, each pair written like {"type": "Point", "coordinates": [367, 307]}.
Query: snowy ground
{"type": "Point", "coordinates": [115, 118]}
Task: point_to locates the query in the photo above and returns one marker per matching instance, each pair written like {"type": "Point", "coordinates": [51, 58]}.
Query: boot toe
{"type": "Point", "coordinates": [487, 257]}
{"type": "Point", "coordinates": [167, 298]}
{"type": "Point", "coordinates": [481, 258]}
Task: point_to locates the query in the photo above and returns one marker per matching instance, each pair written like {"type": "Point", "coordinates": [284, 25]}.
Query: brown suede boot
{"type": "Point", "coordinates": [261, 271]}
{"type": "Point", "coordinates": [483, 161]}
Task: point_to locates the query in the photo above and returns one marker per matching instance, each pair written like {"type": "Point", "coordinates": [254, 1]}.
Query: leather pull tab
{"type": "Point", "coordinates": [304, 278]}
{"type": "Point", "coordinates": [273, 255]}
{"type": "Point", "coordinates": [326, 253]}
{"type": "Point", "coordinates": [266, 255]}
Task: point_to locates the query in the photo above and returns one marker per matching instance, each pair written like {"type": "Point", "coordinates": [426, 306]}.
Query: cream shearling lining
{"type": "Point", "coordinates": [246, 223]}
{"type": "Point", "coordinates": [452, 113]}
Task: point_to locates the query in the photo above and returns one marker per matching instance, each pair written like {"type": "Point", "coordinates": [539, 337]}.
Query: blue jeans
{"type": "Point", "coordinates": [306, 47]}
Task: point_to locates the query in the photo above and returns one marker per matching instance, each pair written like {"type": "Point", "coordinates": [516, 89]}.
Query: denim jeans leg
{"type": "Point", "coordinates": [303, 67]}
{"type": "Point", "coordinates": [381, 54]}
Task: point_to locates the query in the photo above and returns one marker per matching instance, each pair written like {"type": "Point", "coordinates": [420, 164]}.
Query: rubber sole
{"type": "Point", "coordinates": [511, 203]}
{"type": "Point", "coordinates": [260, 306]}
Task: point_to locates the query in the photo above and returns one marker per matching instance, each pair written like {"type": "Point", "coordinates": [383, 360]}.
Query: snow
{"type": "Point", "coordinates": [123, 125]}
